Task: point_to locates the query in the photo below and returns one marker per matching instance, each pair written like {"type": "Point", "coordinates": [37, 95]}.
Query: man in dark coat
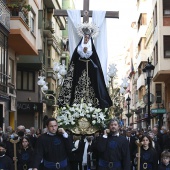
{"type": "Point", "coordinates": [113, 149]}
{"type": "Point", "coordinates": [6, 162]}
{"type": "Point", "coordinates": [53, 148]}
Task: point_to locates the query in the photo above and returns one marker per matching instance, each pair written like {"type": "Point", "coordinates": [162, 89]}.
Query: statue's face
{"type": "Point", "coordinates": [86, 39]}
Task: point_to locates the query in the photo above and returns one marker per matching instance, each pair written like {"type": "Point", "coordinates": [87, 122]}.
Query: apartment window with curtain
{"type": "Point", "coordinates": [25, 80]}
{"type": "Point", "coordinates": [3, 63]}
{"type": "Point", "coordinates": [166, 46]}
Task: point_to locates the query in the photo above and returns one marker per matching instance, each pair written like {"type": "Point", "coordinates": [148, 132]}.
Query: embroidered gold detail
{"type": "Point", "coordinates": [85, 91]}
{"type": "Point", "coordinates": [65, 93]}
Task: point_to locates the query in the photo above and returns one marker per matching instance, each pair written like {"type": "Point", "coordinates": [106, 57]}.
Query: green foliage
{"type": "Point", "coordinates": [20, 4]}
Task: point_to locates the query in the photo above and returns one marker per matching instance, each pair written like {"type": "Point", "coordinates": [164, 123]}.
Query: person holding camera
{"type": "Point", "coordinates": [113, 149]}
{"type": "Point", "coordinates": [52, 148]}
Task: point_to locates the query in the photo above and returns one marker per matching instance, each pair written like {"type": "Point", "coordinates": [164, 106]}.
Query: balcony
{"type": "Point", "coordinates": [31, 62]}
{"type": "Point", "coordinates": [48, 29]}
{"type": "Point", "coordinates": [140, 81]}
{"type": "Point", "coordinates": [20, 35]}
{"type": "Point", "coordinates": [55, 42]}
{"type": "Point", "coordinates": [162, 71]}
{"type": "Point", "coordinates": [49, 25]}
{"type": "Point", "coordinates": [142, 57]}
{"type": "Point", "coordinates": [51, 4]}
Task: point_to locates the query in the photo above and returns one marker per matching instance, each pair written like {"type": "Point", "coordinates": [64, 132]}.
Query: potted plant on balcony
{"type": "Point", "coordinates": [17, 6]}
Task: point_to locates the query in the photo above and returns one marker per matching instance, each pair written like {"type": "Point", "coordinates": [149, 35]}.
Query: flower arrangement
{"type": "Point", "coordinates": [68, 116]}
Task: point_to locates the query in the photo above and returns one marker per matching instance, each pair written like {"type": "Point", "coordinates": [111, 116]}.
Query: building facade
{"type": "Point", "coordinates": [31, 41]}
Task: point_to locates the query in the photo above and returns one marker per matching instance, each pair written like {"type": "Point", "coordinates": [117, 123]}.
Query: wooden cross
{"type": "Point", "coordinates": [86, 13]}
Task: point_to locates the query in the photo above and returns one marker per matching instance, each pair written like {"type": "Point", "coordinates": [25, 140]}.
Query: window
{"type": "Point", "coordinates": [155, 54]}
{"type": "Point", "coordinates": [158, 88]}
{"type": "Point", "coordinates": [3, 63]}
{"type": "Point", "coordinates": [32, 22]}
{"type": "Point", "coordinates": [155, 16]}
{"type": "Point", "coordinates": [11, 71]}
{"type": "Point", "coordinates": [25, 80]}
{"type": "Point", "coordinates": [49, 62]}
{"type": "Point", "coordinates": [166, 8]}
{"type": "Point", "coordinates": [49, 58]}
{"type": "Point", "coordinates": [166, 46]}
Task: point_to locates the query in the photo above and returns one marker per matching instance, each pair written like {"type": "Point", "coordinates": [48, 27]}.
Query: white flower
{"type": "Point", "coordinates": [91, 109]}
{"type": "Point", "coordinates": [87, 111]}
{"type": "Point", "coordinates": [81, 114]}
{"type": "Point", "coordinates": [70, 115]}
{"type": "Point", "coordinates": [93, 116]}
{"type": "Point", "coordinates": [72, 109]}
{"type": "Point", "coordinates": [98, 121]}
{"type": "Point", "coordinates": [58, 119]}
{"type": "Point", "coordinates": [60, 123]}
{"type": "Point", "coordinates": [71, 119]}
{"type": "Point", "coordinates": [88, 115]}
{"type": "Point", "coordinates": [102, 116]}
{"type": "Point", "coordinates": [94, 122]}
{"type": "Point", "coordinates": [76, 114]}
{"type": "Point", "coordinates": [98, 110]}
{"type": "Point", "coordinates": [66, 122]}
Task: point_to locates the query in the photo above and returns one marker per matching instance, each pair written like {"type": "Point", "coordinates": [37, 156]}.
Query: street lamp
{"type": "Point", "coordinates": [60, 71]}
{"type": "Point", "coordinates": [116, 93]}
{"type": "Point", "coordinates": [128, 115]}
{"type": "Point", "coordinates": [149, 71]}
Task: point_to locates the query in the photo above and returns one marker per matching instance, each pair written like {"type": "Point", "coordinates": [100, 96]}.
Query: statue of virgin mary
{"type": "Point", "coordinates": [84, 80]}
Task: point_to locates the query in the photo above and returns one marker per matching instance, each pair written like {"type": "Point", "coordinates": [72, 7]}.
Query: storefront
{"type": "Point", "coordinates": [30, 114]}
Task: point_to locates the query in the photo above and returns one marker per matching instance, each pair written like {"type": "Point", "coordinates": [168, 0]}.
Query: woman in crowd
{"type": "Point", "coordinates": [148, 156]}
{"type": "Point", "coordinates": [24, 154]}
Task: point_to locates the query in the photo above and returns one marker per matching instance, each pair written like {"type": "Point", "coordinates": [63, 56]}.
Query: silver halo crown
{"type": "Point", "coordinates": [87, 28]}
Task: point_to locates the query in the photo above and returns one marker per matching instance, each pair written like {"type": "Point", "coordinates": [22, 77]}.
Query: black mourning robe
{"type": "Point", "coordinates": [150, 157]}
{"type": "Point", "coordinates": [52, 149]}
{"type": "Point", "coordinates": [163, 167]}
{"type": "Point", "coordinates": [85, 81]}
{"type": "Point", "coordinates": [114, 149]}
{"type": "Point", "coordinates": [6, 163]}
{"type": "Point", "coordinates": [24, 157]}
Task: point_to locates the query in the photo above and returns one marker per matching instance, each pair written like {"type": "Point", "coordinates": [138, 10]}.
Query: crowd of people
{"type": "Point", "coordinates": [114, 148]}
